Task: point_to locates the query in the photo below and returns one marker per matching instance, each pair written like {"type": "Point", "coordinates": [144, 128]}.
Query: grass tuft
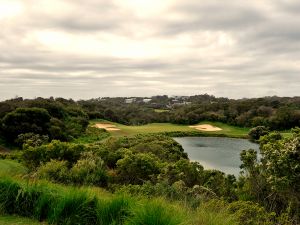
{"type": "Point", "coordinates": [156, 212]}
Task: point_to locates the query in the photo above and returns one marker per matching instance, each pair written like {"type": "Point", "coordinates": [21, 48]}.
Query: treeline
{"type": "Point", "coordinates": [40, 118]}
{"type": "Point", "coordinates": [63, 119]}
{"type": "Point", "coordinates": [274, 112]}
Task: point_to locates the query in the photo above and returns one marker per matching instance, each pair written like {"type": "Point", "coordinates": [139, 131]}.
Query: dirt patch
{"type": "Point", "coordinates": [107, 126]}
{"type": "Point", "coordinates": [206, 127]}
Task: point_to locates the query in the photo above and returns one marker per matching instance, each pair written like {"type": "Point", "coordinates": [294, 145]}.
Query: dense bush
{"type": "Point", "coordinates": [274, 180]}
{"type": "Point", "coordinates": [257, 132]}
{"type": "Point", "coordinates": [137, 168]}
{"type": "Point", "coordinates": [89, 170]}
{"type": "Point", "coordinates": [33, 157]}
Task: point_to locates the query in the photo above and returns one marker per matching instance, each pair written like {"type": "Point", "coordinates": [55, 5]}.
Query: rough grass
{"type": "Point", "coordinates": [65, 205]}
{"type": "Point", "coordinates": [161, 110]}
{"type": "Point", "coordinates": [227, 130]}
{"type": "Point", "coordinates": [156, 212]}
{"type": "Point", "coordinates": [11, 168]}
{"type": "Point", "coordinates": [75, 206]}
{"type": "Point", "coordinates": [16, 220]}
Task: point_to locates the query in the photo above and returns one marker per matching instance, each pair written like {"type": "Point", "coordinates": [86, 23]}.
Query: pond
{"type": "Point", "coordinates": [216, 152]}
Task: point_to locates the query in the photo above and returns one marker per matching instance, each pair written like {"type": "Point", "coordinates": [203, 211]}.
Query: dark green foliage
{"type": "Point", "coordinates": [162, 146]}
{"type": "Point", "coordinates": [34, 156]}
{"type": "Point", "coordinates": [190, 173]}
{"type": "Point", "coordinates": [88, 170]}
{"type": "Point", "coordinates": [137, 168]}
{"type": "Point", "coordinates": [274, 180]}
{"type": "Point", "coordinates": [59, 119]}
{"type": "Point", "coordinates": [25, 120]}
{"type": "Point", "coordinates": [31, 139]}
{"type": "Point", "coordinates": [257, 132]}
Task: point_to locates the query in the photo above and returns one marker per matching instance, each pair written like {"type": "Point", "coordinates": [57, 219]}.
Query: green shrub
{"type": "Point", "coordinates": [54, 170]}
{"type": "Point", "coordinates": [33, 157]}
{"type": "Point", "coordinates": [137, 168]}
{"type": "Point", "coordinates": [249, 213]}
{"type": "Point", "coordinates": [257, 132]}
{"type": "Point", "coordinates": [90, 169]}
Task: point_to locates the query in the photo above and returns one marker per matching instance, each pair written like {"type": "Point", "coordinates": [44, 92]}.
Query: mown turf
{"type": "Point", "coordinates": [16, 220]}
{"type": "Point", "coordinates": [227, 130]}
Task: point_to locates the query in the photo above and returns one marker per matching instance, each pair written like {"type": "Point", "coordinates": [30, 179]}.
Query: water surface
{"type": "Point", "coordinates": [216, 152]}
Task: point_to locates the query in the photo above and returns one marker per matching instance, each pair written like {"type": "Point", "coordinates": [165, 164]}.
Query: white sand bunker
{"type": "Point", "coordinates": [106, 126]}
{"type": "Point", "coordinates": [206, 127]}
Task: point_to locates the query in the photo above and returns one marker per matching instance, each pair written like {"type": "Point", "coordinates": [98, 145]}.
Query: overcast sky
{"type": "Point", "coordinates": [93, 48]}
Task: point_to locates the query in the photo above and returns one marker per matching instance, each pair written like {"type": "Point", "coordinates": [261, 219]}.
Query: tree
{"type": "Point", "coordinates": [25, 120]}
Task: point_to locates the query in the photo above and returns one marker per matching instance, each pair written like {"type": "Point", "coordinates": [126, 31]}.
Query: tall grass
{"type": "Point", "coordinates": [72, 208]}
{"type": "Point", "coordinates": [66, 205]}
{"type": "Point", "coordinates": [115, 210]}
{"type": "Point", "coordinates": [75, 206]}
{"type": "Point", "coordinates": [156, 212]}
{"type": "Point", "coordinates": [214, 212]}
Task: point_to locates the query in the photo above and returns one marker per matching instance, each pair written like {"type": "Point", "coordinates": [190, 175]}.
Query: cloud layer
{"type": "Point", "coordinates": [93, 48]}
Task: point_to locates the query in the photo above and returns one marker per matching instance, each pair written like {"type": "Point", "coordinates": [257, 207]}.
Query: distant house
{"type": "Point", "coordinates": [146, 100]}
{"type": "Point", "coordinates": [130, 100]}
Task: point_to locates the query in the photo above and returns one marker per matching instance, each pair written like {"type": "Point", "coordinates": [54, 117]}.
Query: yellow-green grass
{"type": "Point", "coordinates": [16, 220]}
{"type": "Point", "coordinates": [168, 127]}
{"type": "Point", "coordinates": [11, 168]}
{"type": "Point", "coordinates": [161, 110]}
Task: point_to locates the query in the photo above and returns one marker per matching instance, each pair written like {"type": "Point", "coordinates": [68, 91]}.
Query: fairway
{"type": "Point", "coordinates": [125, 130]}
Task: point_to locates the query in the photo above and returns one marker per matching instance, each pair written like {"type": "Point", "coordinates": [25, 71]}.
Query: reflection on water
{"type": "Point", "coordinates": [216, 152]}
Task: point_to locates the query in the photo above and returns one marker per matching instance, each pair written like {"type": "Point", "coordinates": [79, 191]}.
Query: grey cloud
{"type": "Point", "coordinates": [214, 15]}
{"type": "Point", "coordinates": [264, 56]}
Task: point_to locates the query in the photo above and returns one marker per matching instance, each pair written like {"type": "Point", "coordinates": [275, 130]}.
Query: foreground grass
{"type": "Point", "coordinates": [125, 130]}
{"type": "Point", "coordinates": [66, 205]}
{"type": "Point", "coordinates": [16, 220]}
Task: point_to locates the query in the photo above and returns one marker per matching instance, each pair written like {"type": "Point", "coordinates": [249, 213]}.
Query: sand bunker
{"type": "Point", "coordinates": [106, 126]}
{"type": "Point", "coordinates": [206, 127]}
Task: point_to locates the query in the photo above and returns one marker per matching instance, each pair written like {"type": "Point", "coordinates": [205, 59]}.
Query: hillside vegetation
{"type": "Point", "coordinates": [65, 171]}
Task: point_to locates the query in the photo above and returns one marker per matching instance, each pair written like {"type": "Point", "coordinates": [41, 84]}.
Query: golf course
{"type": "Point", "coordinates": [116, 129]}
